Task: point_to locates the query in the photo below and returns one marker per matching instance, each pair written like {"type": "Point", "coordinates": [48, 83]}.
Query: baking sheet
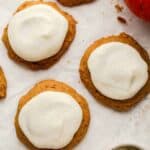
{"type": "Point", "coordinates": [108, 128]}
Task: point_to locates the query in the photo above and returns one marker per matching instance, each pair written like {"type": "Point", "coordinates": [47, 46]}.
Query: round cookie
{"type": "Point", "coordinates": [48, 62]}
{"type": "Point", "coordinates": [85, 75]}
{"type": "Point", "coordinates": [3, 84]}
{"type": "Point", "coordinates": [55, 86]}
{"type": "Point", "coordinates": [74, 2]}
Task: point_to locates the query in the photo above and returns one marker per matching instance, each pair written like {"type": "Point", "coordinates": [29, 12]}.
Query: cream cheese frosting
{"type": "Point", "coordinates": [117, 70]}
{"type": "Point", "coordinates": [50, 119]}
{"type": "Point", "coordinates": [37, 32]}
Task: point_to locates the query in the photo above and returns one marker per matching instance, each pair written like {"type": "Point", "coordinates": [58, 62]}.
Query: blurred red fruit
{"type": "Point", "coordinates": [140, 7]}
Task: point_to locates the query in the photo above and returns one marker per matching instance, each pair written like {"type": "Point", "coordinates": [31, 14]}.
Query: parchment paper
{"type": "Point", "coordinates": [108, 128]}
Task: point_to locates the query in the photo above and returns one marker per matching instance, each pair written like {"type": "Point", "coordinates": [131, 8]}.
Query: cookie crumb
{"type": "Point", "coordinates": [119, 8]}
{"type": "Point", "coordinates": [121, 20]}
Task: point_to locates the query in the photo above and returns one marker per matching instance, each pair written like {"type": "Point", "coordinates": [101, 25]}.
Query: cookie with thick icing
{"type": "Point", "coordinates": [116, 71]}
{"type": "Point", "coordinates": [52, 115]}
{"type": "Point", "coordinates": [38, 34]}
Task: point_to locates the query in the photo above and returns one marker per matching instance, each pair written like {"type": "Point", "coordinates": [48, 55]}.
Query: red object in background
{"type": "Point", "coordinates": [140, 7]}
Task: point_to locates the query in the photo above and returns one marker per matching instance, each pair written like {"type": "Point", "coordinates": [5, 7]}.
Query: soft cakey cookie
{"type": "Point", "coordinates": [74, 2]}
{"type": "Point", "coordinates": [52, 115]}
{"type": "Point", "coordinates": [116, 71]}
{"type": "Point", "coordinates": [3, 84]}
{"type": "Point", "coordinates": [38, 34]}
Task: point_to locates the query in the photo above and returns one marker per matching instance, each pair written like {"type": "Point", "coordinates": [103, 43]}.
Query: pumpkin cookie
{"type": "Point", "coordinates": [3, 84]}
{"type": "Point", "coordinates": [116, 71]}
{"type": "Point", "coordinates": [74, 2]}
{"type": "Point", "coordinates": [38, 34]}
{"type": "Point", "coordinates": [52, 115]}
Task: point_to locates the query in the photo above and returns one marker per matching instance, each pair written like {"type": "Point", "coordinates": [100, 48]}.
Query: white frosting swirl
{"type": "Point", "coordinates": [37, 32]}
{"type": "Point", "coordinates": [50, 119]}
{"type": "Point", "coordinates": [117, 70]}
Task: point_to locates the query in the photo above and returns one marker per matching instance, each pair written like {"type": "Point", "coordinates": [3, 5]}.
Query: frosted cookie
{"type": "Point", "coordinates": [3, 84]}
{"type": "Point", "coordinates": [74, 2]}
{"type": "Point", "coordinates": [38, 34]}
{"type": "Point", "coordinates": [52, 115]}
{"type": "Point", "coordinates": [116, 71]}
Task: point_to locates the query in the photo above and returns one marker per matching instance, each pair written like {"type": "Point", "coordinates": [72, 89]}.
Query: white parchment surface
{"type": "Point", "coordinates": [108, 128]}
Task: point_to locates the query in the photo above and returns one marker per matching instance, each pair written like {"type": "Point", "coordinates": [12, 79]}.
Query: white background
{"type": "Point", "coordinates": [108, 128]}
